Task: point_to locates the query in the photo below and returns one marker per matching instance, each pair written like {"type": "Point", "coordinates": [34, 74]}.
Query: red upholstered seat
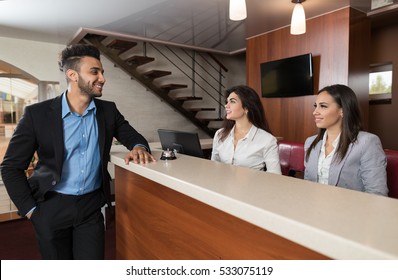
{"type": "Point", "coordinates": [291, 156]}
{"type": "Point", "coordinates": [392, 172]}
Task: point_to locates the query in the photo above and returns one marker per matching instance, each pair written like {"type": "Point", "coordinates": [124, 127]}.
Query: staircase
{"type": "Point", "coordinates": [117, 50]}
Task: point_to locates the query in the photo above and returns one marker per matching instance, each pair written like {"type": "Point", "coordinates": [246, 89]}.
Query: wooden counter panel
{"type": "Point", "coordinates": [155, 222]}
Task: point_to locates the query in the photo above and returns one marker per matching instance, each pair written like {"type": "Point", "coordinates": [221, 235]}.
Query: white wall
{"type": "Point", "coordinates": [36, 58]}
{"type": "Point", "coordinates": [141, 108]}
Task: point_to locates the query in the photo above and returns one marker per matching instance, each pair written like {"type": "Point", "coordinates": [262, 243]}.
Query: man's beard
{"type": "Point", "coordinates": [87, 89]}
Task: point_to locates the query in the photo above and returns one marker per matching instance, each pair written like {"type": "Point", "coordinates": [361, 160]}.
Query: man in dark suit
{"type": "Point", "coordinates": [72, 135]}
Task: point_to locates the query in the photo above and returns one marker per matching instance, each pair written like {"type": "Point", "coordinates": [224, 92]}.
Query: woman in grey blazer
{"type": "Point", "coordinates": [341, 154]}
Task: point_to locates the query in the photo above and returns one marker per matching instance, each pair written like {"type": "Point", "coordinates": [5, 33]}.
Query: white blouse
{"type": "Point", "coordinates": [324, 162]}
{"type": "Point", "coordinates": [256, 150]}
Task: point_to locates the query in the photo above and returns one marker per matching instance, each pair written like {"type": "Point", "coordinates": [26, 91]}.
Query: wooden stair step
{"type": "Point", "coordinates": [169, 87]}
{"type": "Point", "coordinates": [121, 45]}
{"type": "Point", "coordinates": [187, 98]}
{"type": "Point", "coordinates": [138, 60]}
{"type": "Point", "coordinates": [209, 119]}
{"type": "Point", "coordinates": [95, 37]}
{"type": "Point", "coordinates": [153, 74]}
{"type": "Point", "coordinates": [112, 48]}
{"type": "Point", "coordinates": [200, 109]}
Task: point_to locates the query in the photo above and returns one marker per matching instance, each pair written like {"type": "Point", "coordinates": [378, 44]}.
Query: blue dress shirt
{"type": "Point", "coordinates": [81, 167]}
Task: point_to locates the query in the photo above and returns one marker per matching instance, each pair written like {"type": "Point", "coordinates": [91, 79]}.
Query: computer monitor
{"type": "Point", "coordinates": [186, 143]}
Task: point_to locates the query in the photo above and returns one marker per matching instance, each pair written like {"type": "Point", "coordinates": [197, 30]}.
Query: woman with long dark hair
{"type": "Point", "coordinates": [245, 138]}
{"type": "Point", "coordinates": [341, 154]}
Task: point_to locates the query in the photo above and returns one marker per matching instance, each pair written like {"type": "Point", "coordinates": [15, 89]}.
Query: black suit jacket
{"type": "Point", "coordinates": [41, 130]}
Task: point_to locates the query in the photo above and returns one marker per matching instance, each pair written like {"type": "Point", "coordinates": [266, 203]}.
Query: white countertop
{"type": "Point", "coordinates": [339, 223]}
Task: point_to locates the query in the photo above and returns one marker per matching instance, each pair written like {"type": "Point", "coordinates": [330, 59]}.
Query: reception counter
{"type": "Point", "coordinates": [192, 208]}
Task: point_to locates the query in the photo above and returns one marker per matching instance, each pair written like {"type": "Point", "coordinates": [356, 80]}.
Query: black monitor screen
{"type": "Point", "coordinates": [288, 77]}
{"type": "Point", "coordinates": [186, 143]}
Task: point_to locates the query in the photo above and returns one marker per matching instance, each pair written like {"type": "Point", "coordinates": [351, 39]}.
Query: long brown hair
{"type": "Point", "coordinates": [351, 123]}
{"type": "Point", "coordinates": [255, 111]}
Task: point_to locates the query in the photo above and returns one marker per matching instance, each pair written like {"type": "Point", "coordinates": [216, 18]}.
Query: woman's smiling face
{"type": "Point", "coordinates": [328, 114]}
{"type": "Point", "coordinates": [234, 108]}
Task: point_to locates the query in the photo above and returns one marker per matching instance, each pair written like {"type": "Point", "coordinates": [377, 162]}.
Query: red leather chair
{"type": "Point", "coordinates": [392, 172]}
{"type": "Point", "coordinates": [291, 157]}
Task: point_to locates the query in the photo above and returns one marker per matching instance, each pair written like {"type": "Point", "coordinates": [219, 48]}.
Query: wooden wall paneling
{"type": "Point", "coordinates": [155, 222]}
{"type": "Point", "coordinates": [327, 38]}
{"type": "Point", "coordinates": [382, 117]}
{"type": "Point", "coordinates": [359, 60]}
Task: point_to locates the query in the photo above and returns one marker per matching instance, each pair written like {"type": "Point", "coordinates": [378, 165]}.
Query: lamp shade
{"type": "Point", "coordinates": [237, 9]}
{"type": "Point", "coordinates": [297, 25]}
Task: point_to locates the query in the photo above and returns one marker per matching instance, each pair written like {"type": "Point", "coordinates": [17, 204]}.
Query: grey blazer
{"type": "Point", "coordinates": [363, 168]}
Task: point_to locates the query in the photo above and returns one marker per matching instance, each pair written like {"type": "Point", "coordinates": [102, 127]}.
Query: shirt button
{"type": "Point", "coordinates": [54, 183]}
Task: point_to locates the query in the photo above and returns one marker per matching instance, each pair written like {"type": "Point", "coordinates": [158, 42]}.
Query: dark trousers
{"type": "Point", "coordinates": [70, 227]}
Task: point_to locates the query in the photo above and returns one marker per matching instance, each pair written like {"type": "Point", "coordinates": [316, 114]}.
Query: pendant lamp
{"type": "Point", "coordinates": [237, 10]}
{"type": "Point", "coordinates": [297, 25]}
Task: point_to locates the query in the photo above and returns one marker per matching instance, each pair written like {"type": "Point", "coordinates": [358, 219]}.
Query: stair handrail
{"type": "Point", "coordinates": [220, 94]}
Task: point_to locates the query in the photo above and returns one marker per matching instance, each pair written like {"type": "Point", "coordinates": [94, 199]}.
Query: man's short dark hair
{"type": "Point", "coordinates": [71, 55]}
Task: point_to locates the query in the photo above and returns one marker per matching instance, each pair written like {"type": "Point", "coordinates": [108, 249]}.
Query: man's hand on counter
{"type": "Point", "coordinates": [139, 155]}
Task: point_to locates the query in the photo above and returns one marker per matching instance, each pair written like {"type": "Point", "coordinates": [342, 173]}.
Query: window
{"type": "Point", "coordinates": [380, 83]}
{"type": "Point", "coordinates": [380, 3]}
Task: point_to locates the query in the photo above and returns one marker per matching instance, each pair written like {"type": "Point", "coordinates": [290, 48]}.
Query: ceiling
{"type": "Point", "coordinates": [202, 24]}
{"type": "Point", "coordinates": [199, 23]}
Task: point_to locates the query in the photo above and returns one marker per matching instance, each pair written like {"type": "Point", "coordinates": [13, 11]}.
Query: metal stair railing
{"type": "Point", "coordinates": [180, 55]}
{"type": "Point", "coordinates": [218, 81]}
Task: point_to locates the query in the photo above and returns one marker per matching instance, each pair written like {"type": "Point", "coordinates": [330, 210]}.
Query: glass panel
{"type": "Point", "coordinates": [380, 3]}
{"type": "Point", "coordinates": [15, 94]}
{"type": "Point", "coordinates": [380, 82]}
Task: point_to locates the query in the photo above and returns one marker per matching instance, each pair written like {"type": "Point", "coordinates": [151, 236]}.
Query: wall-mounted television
{"type": "Point", "coordinates": [288, 77]}
{"type": "Point", "coordinates": [183, 142]}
